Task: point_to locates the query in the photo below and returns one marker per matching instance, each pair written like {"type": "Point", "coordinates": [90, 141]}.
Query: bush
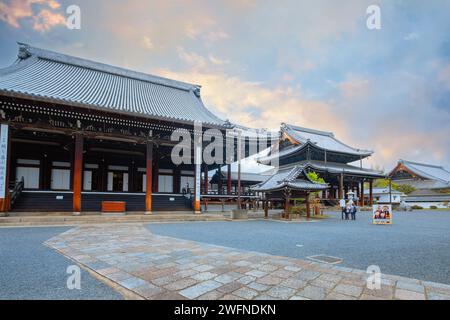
{"type": "Point", "coordinates": [433, 207]}
{"type": "Point", "coordinates": [416, 207]}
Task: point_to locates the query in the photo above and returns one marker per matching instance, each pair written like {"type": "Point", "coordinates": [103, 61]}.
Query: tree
{"type": "Point", "coordinates": [405, 188]}
{"type": "Point", "coordinates": [315, 177]}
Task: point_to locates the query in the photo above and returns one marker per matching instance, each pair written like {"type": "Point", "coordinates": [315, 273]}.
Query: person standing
{"type": "Point", "coordinates": [353, 211]}
{"type": "Point", "coordinates": [342, 205]}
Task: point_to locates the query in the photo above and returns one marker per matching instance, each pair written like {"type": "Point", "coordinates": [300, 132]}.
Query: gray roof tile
{"type": "Point", "coordinates": [51, 76]}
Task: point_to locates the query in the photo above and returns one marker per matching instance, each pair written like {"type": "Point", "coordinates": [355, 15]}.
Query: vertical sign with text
{"type": "Point", "coordinates": [3, 159]}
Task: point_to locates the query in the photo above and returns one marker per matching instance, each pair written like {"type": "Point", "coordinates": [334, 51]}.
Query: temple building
{"type": "Point", "coordinates": [324, 154]}
{"type": "Point", "coordinates": [77, 135]}
{"type": "Point", "coordinates": [431, 183]}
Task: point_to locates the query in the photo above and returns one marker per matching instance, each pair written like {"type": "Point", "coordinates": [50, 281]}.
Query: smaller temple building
{"type": "Point", "coordinates": [431, 183]}
{"type": "Point", "coordinates": [323, 153]}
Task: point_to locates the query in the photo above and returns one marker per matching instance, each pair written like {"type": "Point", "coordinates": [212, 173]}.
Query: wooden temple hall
{"type": "Point", "coordinates": [323, 153]}
{"type": "Point", "coordinates": [81, 136]}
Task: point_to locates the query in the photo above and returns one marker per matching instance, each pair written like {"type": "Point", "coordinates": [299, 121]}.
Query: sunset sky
{"type": "Point", "coordinates": [260, 63]}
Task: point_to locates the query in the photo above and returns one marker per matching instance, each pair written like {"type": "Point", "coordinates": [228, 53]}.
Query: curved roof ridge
{"type": "Point", "coordinates": [26, 51]}
{"type": "Point", "coordinates": [309, 130]}
{"type": "Point", "coordinates": [423, 164]}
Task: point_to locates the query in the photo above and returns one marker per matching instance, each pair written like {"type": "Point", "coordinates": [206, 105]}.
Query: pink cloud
{"type": "Point", "coordinates": [45, 18]}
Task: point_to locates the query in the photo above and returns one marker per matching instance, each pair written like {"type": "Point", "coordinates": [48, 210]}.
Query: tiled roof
{"type": "Point", "coordinates": [49, 76]}
{"type": "Point", "coordinates": [293, 178]}
{"type": "Point", "coordinates": [428, 171]}
{"type": "Point", "coordinates": [323, 140]}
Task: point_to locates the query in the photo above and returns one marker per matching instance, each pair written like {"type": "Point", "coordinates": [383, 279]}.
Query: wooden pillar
{"type": "Point", "coordinates": [229, 179]}
{"type": "Point", "coordinates": [5, 156]}
{"type": "Point", "coordinates": [266, 209]}
{"type": "Point", "coordinates": [220, 183]}
{"type": "Point", "coordinates": [308, 206]}
{"type": "Point", "coordinates": [341, 186]}
{"type": "Point", "coordinates": [77, 173]}
{"type": "Point", "coordinates": [149, 178]}
{"type": "Point", "coordinates": [362, 193]}
{"type": "Point", "coordinates": [287, 204]}
{"type": "Point", "coordinates": [358, 193]}
{"type": "Point", "coordinates": [371, 192]}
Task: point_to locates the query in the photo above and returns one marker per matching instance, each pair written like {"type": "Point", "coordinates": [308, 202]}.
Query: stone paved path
{"type": "Point", "coordinates": [158, 267]}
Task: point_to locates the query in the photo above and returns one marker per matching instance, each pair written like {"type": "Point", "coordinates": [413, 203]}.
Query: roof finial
{"type": "Point", "coordinates": [24, 51]}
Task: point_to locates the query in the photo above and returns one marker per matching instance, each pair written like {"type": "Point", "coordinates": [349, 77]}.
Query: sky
{"type": "Point", "coordinates": [261, 63]}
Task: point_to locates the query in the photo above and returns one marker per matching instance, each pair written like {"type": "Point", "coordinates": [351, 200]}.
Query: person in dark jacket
{"type": "Point", "coordinates": [353, 212]}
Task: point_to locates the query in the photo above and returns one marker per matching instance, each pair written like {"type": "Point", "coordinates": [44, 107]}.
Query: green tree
{"type": "Point", "coordinates": [405, 188]}
{"type": "Point", "coordinates": [315, 177]}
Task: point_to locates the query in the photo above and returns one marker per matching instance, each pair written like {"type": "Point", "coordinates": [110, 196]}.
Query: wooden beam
{"type": "Point", "coordinates": [77, 173]}
{"type": "Point", "coordinates": [149, 178]}
{"type": "Point", "coordinates": [206, 181]}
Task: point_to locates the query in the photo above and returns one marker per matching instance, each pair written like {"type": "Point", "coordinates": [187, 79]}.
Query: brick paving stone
{"type": "Point", "coordinates": [411, 286]}
{"type": "Point", "coordinates": [256, 273]}
{"type": "Point", "coordinates": [369, 297]}
{"type": "Point", "coordinates": [224, 278]}
{"type": "Point", "coordinates": [437, 296]}
{"type": "Point", "coordinates": [328, 285]}
{"type": "Point", "coordinates": [298, 298]}
{"type": "Point", "coordinates": [245, 293]}
{"type": "Point", "coordinates": [203, 268]}
{"type": "Point", "coordinates": [306, 275]}
{"type": "Point", "coordinates": [292, 268]}
{"type": "Point", "coordinates": [131, 283]}
{"type": "Point", "coordinates": [281, 292]}
{"type": "Point", "coordinates": [200, 289]}
{"type": "Point", "coordinates": [230, 287]}
{"type": "Point", "coordinates": [402, 294]}
{"type": "Point", "coordinates": [339, 296]}
{"type": "Point", "coordinates": [270, 280]}
{"type": "Point", "coordinates": [265, 297]}
{"type": "Point", "coordinates": [349, 290]}
{"type": "Point", "coordinates": [202, 276]}
{"type": "Point", "coordinates": [282, 273]}
{"type": "Point", "coordinates": [312, 292]}
{"type": "Point", "coordinates": [385, 292]}
{"type": "Point", "coordinates": [294, 283]}
{"type": "Point", "coordinates": [230, 297]}
{"type": "Point", "coordinates": [180, 284]}
{"type": "Point", "coordinates": [212, 295]}
{"type": "Point", "coordinates": [258, 286]}
{"type": "Point", "coordinates": [148, 290]}
{"type": "Point", "coordinates": [267, 267]}
{"type": "Point", "coordinates": [246, 279]}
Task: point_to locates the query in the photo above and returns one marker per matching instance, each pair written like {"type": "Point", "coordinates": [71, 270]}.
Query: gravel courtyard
{"type": "Point", "coordinates": [417, 245]}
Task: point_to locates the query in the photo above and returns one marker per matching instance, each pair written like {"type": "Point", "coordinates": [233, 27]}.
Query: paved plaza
{"type": "Point", "coordinates": [417, 245]}
{"type": "Point", "coordinates": [162, 267]}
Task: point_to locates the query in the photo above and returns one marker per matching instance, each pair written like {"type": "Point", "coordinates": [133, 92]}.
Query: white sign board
{"type": "Point", "coordinates": [3, 159]}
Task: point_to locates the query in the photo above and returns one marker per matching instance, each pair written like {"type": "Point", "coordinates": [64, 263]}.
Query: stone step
{"type": "Point", "coordinates": [93, 219]}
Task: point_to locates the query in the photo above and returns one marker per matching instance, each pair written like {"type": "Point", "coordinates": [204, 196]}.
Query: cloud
{"type": "Point", "coordinates": [43, 19]}
{"type": "Point", "coordinates": [46, 19]}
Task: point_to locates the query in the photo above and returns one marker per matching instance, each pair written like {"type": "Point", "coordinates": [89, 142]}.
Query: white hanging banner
{"type": "Point", "coordinates": [3, 159]}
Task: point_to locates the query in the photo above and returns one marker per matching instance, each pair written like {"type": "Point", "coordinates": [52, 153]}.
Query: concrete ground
{"type": "Point", "coordinates": [417, 245]}
{"type": "Point", "coordinates": [31, 270]}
